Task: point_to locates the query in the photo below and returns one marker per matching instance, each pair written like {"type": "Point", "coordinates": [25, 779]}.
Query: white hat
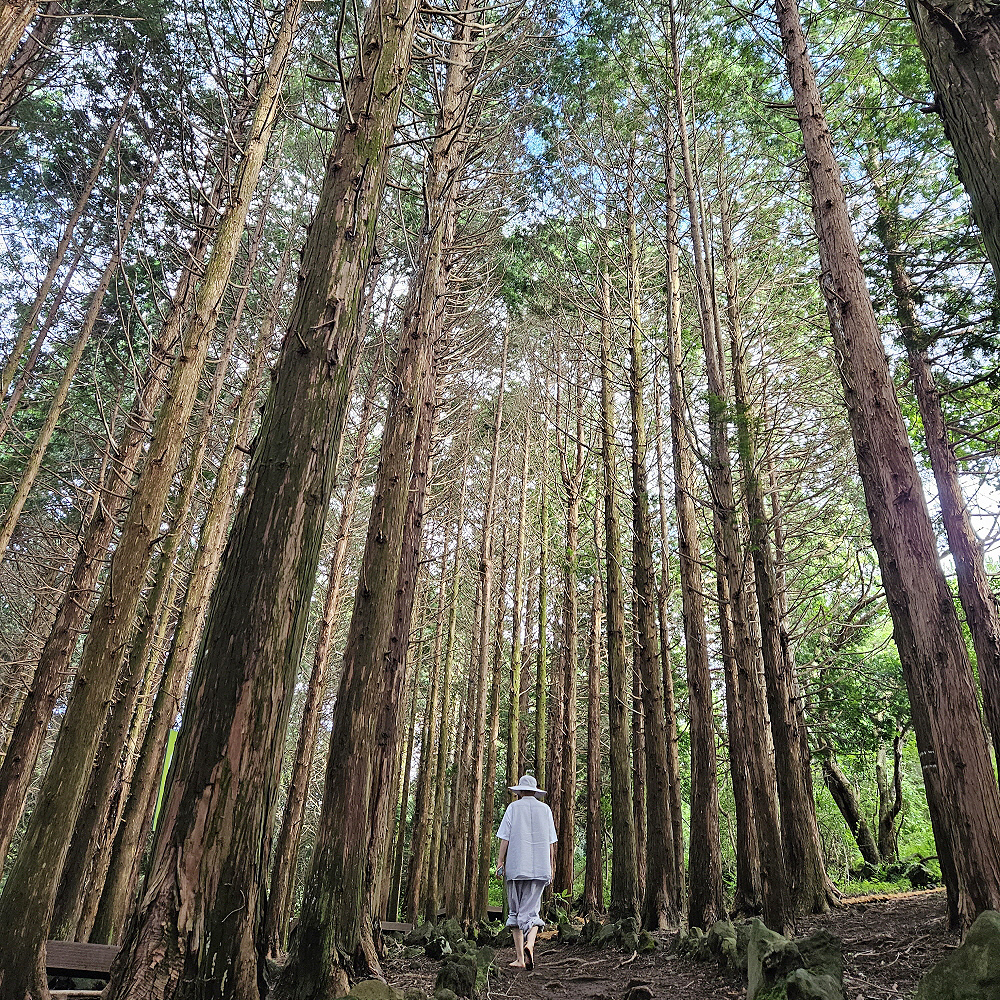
{"type": "Point", "coordinates": [527, 784]}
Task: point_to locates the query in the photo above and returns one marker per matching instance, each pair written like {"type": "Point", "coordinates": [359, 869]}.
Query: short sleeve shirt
{"type": "Point", "coordinates": [528, 828]}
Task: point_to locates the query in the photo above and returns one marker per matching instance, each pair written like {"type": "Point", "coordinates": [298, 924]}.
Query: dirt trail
{"type": "Point", "coordinates": [889, 943]}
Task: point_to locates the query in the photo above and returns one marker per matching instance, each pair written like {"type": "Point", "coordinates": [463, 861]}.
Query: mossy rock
{"type": "Point", "coordinates": [646, 943]}
{"type": "Point", "coordinates": [805, 985]}
{"type": "Point", "coordinates": [591, 925]}
{"type": "Point", "coordinates": [722, 943]}
{"type": "Point", "coordinates": [420, 934]}
{"type": "Point", "coordinates": [437, 948]}
{"type": "Point", "coordinates": [413, 993]}
{"type": "Point", "coordinates": [921, 877]}
{"type": "Point", "coordinates": [569, 933]}
{"type": "Point", "coordinates": [458, 973]}
{"type": "Point", "coordinates": [445, 995]}
{"type": "Point", "coordinates": [450, 929]}
{"type": "Point", "coordinates": [972, 971]}
{"type": "Point", "coordinates": [608, 935]}
{"type": "Point", "coordinates": [413, 952]}
{"type": "Point", "coordinates": [772, 957]}
{"type": "Point", "coordinates": [375, 989]}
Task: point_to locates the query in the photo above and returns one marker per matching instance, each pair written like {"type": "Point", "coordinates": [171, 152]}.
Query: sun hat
{"type": "Point", "coordinates": [527, 784]}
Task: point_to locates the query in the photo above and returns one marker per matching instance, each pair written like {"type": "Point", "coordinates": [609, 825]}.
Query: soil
{"type": "Point", "coordinates": [890, 942]}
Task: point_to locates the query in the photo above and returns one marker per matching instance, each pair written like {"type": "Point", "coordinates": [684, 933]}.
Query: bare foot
{"type": "Point", "coordinates": [516, 964]}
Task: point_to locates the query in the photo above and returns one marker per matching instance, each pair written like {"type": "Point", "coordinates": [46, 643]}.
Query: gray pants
{"type": "Point", "coordinates": [524, 900]}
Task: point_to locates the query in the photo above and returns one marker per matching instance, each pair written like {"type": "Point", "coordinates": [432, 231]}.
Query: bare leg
{"type": "Point", "coordinates": [530, 945]}
{"type": "Point", "coordinates": [518, 962]}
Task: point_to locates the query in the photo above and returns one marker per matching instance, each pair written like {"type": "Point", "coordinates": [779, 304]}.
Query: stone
{"type": "Point", "coordinates": [629, 940]}
{"type": "Point", "coordinates": [445, 995]}
{"type": "Point", "coordinates": [639, 992]}
{"type": "Point", "coordinates": [420, 934]}
{"type": "Point", "coordinates": [375, 989]}
{"type": "Point", "coordinates": [591, 926]}
{"type": "Point", "coordinates": [569, 932]}
{"type": "Point", "coordinates": [804, 985]}
{"type": "Point", "coordinates": [920, 877]}
{"type": "Point", "coordinates": [972, 971]}
{"type": "Point", "coordinates": [452, 930]}
{"type": "Point", "coordinates": [437, 948]}
{"type": "Point", "coordinates": [864, 873]}
{"type": "Point", "coordinates": [413, 952]}
{"type": "Point", "coordinates": [504, 938]}
{"type": "Point", "coordinates": [646, 943]}
{"type": "Point", "coordinates": [457, 973]}
{"type": "Point", "coordinates": [723, 944]}
{"type": "Point", "coordinates": [771, 958]}
{"type": "Point", "coordinates": [609, 934]}
{"type": "Point", "coordinates": [823, 955]}
{"type": "Point", "coordinates": [412, 993]}
{"type": "Point", "coordinates": [690, 941]}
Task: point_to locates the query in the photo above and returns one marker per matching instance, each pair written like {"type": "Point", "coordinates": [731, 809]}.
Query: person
{"type": "Point", "coordinates": [525, 862]}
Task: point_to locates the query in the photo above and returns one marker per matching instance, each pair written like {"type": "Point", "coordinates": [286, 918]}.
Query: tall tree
{"type": "Point", "coordinates": [961, 43]}
{"type": "Point", "coordinates": [624, 900]}
{"type": "Point", "coordinates": [958, 776]}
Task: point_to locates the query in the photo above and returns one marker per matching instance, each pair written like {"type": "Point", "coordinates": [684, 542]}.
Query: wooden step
{"type": "Point", "coordinates": [79, 960]}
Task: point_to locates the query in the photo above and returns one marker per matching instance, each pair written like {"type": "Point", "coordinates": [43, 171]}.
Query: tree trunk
{"type": "Point", "coordinates": [974, 591]}
{"type": "Point", "coordinates": [15, 16]}
{"type": "Point", "coordinates": [890, 799]}
{"type": "Point", "coordinates": [83, 199]}
{"type": "Point", "coordinates": [624, 871]}
{"type": "Point", "coordinates": [34, 463]}
{"type": "Point", "coordinates": [279, 903]}
{"type": "Point", "coordinates": [23, 68]}
{"type": "Point", "coordinates": [392, 908]}
{"type": "Point", "coordinates": [658, 910]}
{"type": "Point", "coordinates": [961, 43]}
{"type": "Point", "coordinates": [515, 747]}
{"type": "Point", "coordinates": [493, 735]}
{"type": "Point", "coordinates": [473, 846]}
{"type": "Point", "coordinates": [958, 773]}
{"type": "Point", "coordinates": [542, 654]}
{"type": "Point", "coordinates": [572, 478]}
{"type": "Point", "coordinates": [437, 870]}
{"type": "Point", "coordinates": [334, 924]}
{"type": "Point", "coordinates": [705, 900]}
{"type": "Point", "coordinates": [91, 834]}
{"type": "Point", "coordinates": [137, 814]}
{"type": "Point", "coordinates": [809, 888]}
{"type": "Point", "coordinates": [54, 661]}
{"type": "Point", "coordinates": [30, 889]}
{"type": "Point", "coordinates": [593, 879]}
{"type": "Point", "coordinates": [847, 802]}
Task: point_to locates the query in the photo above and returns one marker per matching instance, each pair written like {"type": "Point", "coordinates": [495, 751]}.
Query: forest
{"type": "Point", "coordinates": [398, 400]}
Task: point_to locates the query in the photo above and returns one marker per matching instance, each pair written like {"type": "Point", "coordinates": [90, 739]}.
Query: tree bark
{"type": "Point", "coordinates": [119, 887]}
{"type": "Point", "coordinates": [847, 802]}
{"type": "Point", "coordinates": [809, 888]}
{"type": "Point", "coordinates": [705, 900]}
{"type": "Point", "coordinates": [978, 601]}
{"type": "Point", "coordinates": [515, 747]}
{"type": "Point", "coordinates": [473, 845]}
{"type": "Point", "coordinates": [658, 910]}
{"type": "Point", "coordinates": [280, 896]}
{"type": "Point", "coordinates": [958, 774]}
{"type": "Point", "coordinates": [24, 66]}
{"type": "Point", "coordinates": [427, 788]}
{"type": "Point", "coordinates": [961, 43]}
{"type": "Point", "coordinates": [593, 879]}
{"type": "Point", "coordinates": [624, 872]}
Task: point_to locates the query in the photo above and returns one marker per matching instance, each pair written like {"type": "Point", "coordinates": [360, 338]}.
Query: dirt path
{"type": "Point", "coordinates": [889, 943]}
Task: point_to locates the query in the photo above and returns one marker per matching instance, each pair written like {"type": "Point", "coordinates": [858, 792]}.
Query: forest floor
{"type": "Point", "coordinates": [890, 942]}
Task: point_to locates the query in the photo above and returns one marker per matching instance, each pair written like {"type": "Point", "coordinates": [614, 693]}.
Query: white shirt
{"type": "Point", "coordinates": [528, 828]}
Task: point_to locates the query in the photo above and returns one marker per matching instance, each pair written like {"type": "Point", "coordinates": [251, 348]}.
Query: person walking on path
{"type": "Point", "coordinates": [525, 861]}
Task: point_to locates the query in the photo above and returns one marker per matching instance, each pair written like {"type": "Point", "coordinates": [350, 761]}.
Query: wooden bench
{"type": "Point", "coordinates": [78, 960]}
{"type": "Point", "coordinates": [393, 925]}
